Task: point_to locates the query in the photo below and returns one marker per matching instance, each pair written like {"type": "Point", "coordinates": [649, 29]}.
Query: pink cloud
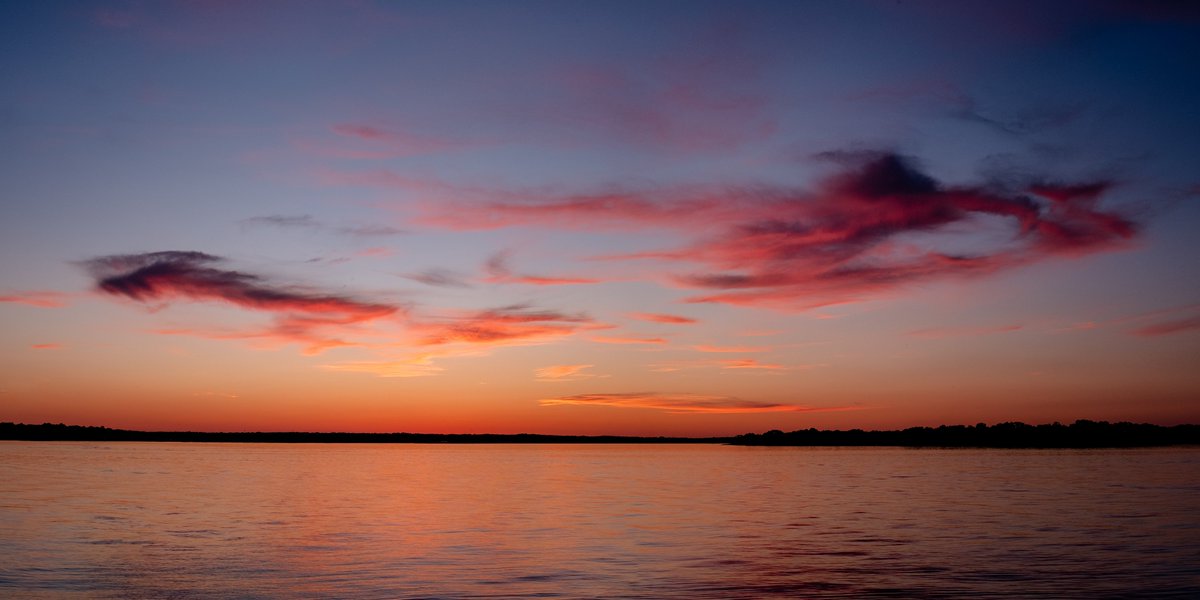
{"type": "Point", "coordinates": [617, 210]}
{"type": "Point", "coordinates": [626, 340]}
{"type": "Point", "coordinates": [662, 318]}
{"type": "Point", "coordinates": [1168, 327]}
{"type": "Point", "coordinates": [682, 403]}
{"type": "Point", "coordinates": [375, 252]}
{"type": "Point", "coordinates": [1166, 321]}
{"type": "Point", "coordinates": [749, 363]}
{"type": "Point", "coordinates": [711, 348]}
{"type": "Point", "coordinates": [831, 247]}
{"type": "Point", "coordinates": [40, 299]}
{"type": "Point", "coordinates": [504, 326]}
{"type": "Point", "coordinates": [50, 346]}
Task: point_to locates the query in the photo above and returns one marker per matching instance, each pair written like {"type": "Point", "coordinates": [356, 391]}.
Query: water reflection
{"type": "Point", "coordinates": [132, 520]}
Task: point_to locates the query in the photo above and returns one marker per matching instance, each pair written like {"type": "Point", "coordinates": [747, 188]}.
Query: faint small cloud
{"type": "Point", "coordinates": [563, 373]}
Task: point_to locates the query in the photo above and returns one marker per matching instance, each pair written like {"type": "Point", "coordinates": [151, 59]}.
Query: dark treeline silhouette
{"type": "Point", "coordinates": [60, 432]}
{"type": "Point", "coordinates": [1080, 434]}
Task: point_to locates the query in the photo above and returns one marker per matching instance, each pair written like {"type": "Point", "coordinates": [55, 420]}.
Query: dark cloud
{"type": "Point", "coordinates": [172, 275]}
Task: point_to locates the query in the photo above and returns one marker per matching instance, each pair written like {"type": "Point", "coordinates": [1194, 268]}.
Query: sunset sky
{"type": "Point", "coordinates": [663, 218]}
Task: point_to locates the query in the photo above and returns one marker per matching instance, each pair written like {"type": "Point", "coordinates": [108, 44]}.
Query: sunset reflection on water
{"type": "Point", "coordinates": [130, 520]}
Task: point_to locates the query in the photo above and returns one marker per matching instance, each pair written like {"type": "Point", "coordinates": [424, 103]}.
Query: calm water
{"type": "Point", "coordinates": [142, 520]}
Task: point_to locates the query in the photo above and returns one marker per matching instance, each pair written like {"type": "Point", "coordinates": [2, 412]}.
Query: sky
{"type": "Point", "coordinates": [666, 218]}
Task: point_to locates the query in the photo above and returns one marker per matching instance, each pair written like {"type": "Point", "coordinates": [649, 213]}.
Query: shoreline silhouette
{"type": "Point", "coordinates": [1080, 434]}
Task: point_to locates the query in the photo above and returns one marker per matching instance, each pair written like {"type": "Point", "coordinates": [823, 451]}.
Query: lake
{"type": "Point", "coordinates": [179, 520]}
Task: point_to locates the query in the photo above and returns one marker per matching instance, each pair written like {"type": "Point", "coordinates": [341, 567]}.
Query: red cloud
{"type": "Point", "coordinates": [40, 299]}
{"type": "Point", "coordinates": [503, 326]}
{"type": "Point", "coordinates": [875, 226]}
{"type": "Point", "coordinates": [682, 403]}
{"type": "Point", "coordinates": [865, 232]}
{"type": "Point", "coordinates": [661, 318]}
{"type": "Point", "coordinates": [1168, 327]}
{"type": "Point", "coordinates": [51, 346]}
{"type": "Point", "coordinates": [832, 246]}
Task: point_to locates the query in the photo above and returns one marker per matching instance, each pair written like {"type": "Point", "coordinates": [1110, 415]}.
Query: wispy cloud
{"type": "Point", "coordinates": [603, 339]}
{"type": "Point", "coordinates": [40, 299]}
{"type": "Point", "coordinates": [421, 365]}
{"type": "Point", "coordinates": [736, 349]}
{"type": "Point", "coordinates": [1166, 321]}
{"type": "Point", "coordinates": [518, 324]}
{"type": "Point", "coordinates": [440, 278]}
{"type": "Point", "coordinates": [1168, 327]}
{"type": "Point", "coordinates": [49, 346]}
{"type": "Point", "coordinates": [311, 223]}
{"type": "Point", "coordinates": [682, 403]}
{"type": "Point", "coordinates": [498, 271]}
{"type": "Point", "coordinates": [662, 318]}
{"type": "Point", "coordinates": [613, 210]}
{"type": "Point", "coordinates": [563, 373]}
{"type": "Point", "coordinates": [748, 364]}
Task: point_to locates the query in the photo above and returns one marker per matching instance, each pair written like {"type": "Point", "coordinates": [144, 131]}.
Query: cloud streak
{"type": "Point", "coordinates": [626, 340]}
{"type": "Point", "coordinates": [681, 403]}
{"type": "Point", "coordinates": [40, 299]}
{"type": "Point", "coordinates": [563, 373]}
{"type": "Point", "coordinates": [1162, 328]}
{"type": "Point", "coordinates": [511, 325]}
{"type": "Point", "coordinates": [300, 315]}
{"type": "Point", "coordinates": [663, 318]}
{"type": "Point", "coordinates": [747, 364]}
{"type": "Point", "coordinates": [498, 271]}
{"type": "Point", "coordinates": [311, 223]}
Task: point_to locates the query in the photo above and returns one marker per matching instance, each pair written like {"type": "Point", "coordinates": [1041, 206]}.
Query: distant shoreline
{"type": "Point", "coordinates": [1080, 434]}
